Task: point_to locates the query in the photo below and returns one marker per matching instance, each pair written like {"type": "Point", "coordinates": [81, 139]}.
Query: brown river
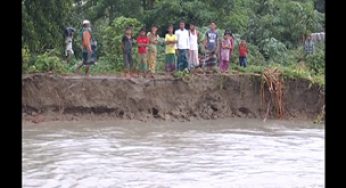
{"type": "Point", "coordinates": [199, 154]}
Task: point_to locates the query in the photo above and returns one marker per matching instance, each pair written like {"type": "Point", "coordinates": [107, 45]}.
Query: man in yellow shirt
{"type": "Point", "coordinates": [171, 41]}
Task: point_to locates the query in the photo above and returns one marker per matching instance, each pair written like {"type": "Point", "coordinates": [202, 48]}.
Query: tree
{"type": "Point", "coordinates": [43, 23]}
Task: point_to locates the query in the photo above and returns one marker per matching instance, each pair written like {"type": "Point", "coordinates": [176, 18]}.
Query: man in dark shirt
{"type": "Point", "coordinates": [126, 44]}
{"type": "Point", "coordinates": [211, 38]}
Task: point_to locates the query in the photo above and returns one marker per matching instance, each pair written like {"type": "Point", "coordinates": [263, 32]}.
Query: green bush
{"type": "Point", "coordinates": [111, 36]}
{"type": "Point", "coordinates": [27, 60]}
{"type": "Point", "coordinates": [316, 62]}
{"type": "Point", "coordinates": [272, 49]}
{"type": "Point", "coordinates": [45, 63]}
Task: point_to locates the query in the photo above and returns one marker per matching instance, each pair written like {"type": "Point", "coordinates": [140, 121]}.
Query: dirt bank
{"type": "Point", "coordinates": [48, 97]}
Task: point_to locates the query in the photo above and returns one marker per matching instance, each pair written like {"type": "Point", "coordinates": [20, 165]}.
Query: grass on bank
{"type": "Point", "coordinates": [298, 71]}
{"type": "Point", "coordinates": [50, 62]}
{"type": "Point", "coordinates": [55, 65]}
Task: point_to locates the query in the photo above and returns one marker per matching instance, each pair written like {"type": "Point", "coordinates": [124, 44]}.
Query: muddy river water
{"type": "Point", "coordinates": [219, 153]}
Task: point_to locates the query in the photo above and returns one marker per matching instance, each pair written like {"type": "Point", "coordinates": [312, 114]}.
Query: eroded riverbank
{"type": "Point", "coordinates": [50, 98]}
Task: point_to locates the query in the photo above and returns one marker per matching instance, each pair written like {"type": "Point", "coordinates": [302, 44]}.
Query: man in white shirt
{"type": "Point", "coordinates": [183, 46]}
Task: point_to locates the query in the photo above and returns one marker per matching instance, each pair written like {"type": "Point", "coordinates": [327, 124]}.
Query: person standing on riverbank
{"type": "Point", "coordinates": [87, 51]}
{"type": "Point", "coordinates": [183, 46]}
{"type": "Point", "coordinates": [225, 52]}
{"type": "Point", "coordinates": [231, 39]}
{"type": "Point", "coordinates": [143, 42]}
{"type": "Point", "coordinates": [243, 51]}
{"type": "Point", "coordinates": [309, 45]}
{"type": "Point", "coordinates": [69, 32]}
{"type": "Point", "coordinates": [171, 41]}
{"type": "Point", "coordinates": [211, 46]}
{"type": "Point", "coordinates": [193, 53]}
{"type": "Point", "coordinates": [126, 44]}
{"type": "Point", "coordinates": [152, 51]}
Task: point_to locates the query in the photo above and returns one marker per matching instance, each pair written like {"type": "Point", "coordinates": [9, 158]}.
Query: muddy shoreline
{"type": "Point", "coordinates": [164, 98]}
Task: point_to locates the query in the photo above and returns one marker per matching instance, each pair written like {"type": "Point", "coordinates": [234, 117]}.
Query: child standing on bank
{"type": "Point", "coordinates": [243, 51]}
{"type": "Point", "coordinates": [143, 42]}
{"type": "Point", "coordinates": [225, 52]}
{"type": "Point", "coordinates": [171, 40]}
{"type": "Point", "coordinates": [127, 43]}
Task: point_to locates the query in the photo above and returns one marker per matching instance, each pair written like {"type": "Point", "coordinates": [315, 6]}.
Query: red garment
{"type": "Point", "coordinates": [243, 51]}
{"type": "Point", "coordinates": [142, 40]}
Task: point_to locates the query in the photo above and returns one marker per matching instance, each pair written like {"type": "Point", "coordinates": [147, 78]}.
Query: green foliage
{"type": "Point", "coordinates": [43, 23]}
{"type": "Point", "coordinates": [103, 67]}
{"type": "Point", "coordinates": [47, 62]}
{"type": "Point", "coordinates": [182, 74]}
{"type": "Point", "coordinates": [273, 49]}
{"type": "Point", "coordinates": [316, 62]}
{"type": "Point", "coordinates": [273, 29]}
{"type": "Point", "coordinates": [285, 21]}
{"type": "Point", "coordinates": [249, 69]}
{"type": "Point", "coordinates": [111, 37]}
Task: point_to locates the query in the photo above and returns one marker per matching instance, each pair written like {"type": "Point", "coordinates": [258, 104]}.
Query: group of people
{"type": "Point", "coordinates": [184, 45]}
{"type": "Point", "coordinates": [88, 46]}
{"type": "Point", "coordinates": [181, 49]}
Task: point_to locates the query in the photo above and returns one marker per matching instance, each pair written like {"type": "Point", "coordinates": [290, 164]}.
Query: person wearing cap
{"type": "Point", "coordinates": [86, 47]}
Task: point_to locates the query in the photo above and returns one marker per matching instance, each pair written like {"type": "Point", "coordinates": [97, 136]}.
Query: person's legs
{"type": "Point", "coordinates": [152, 61]}
{"type": "Point", "coordinates": [241, 61]}
{"type": "Point", "coordinates": [69, 55]}
{"type": "Point", "coordinates": [193, 60]}
{"type": "Point", "coordinates": [222, 66]}
{"type": "Point", "coordinates": [142, 63]}
{"type": "Point", "coordinates": [226, 66]}
{"type": "Point", "coordinates": [179, 60]}
{"type": "Point", "coordinates": [196, 58]}
{"type": "Point", "coordinates": [185, 55]}
{"type": "Point", "coordinates": [84, 59]}
{"type": "Point", "coordinates": [130, 60]}
{"type": "Point", "coordinates": [174, 64]}
{"type": "Point", "coordinates": [78, 67]}
{"type": "Point", "coordinates": [169, 62]}
{"type": "Point", "coordinates": [245, 61]}
{"type": "Point", "coordinates": [126, 63]}
{"type": "Point", "coordinates": [153, 69]}
{"type": "Point", "coordinates": [190, 60]}
{"type": "Point", "coordinates": [87, 68]}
